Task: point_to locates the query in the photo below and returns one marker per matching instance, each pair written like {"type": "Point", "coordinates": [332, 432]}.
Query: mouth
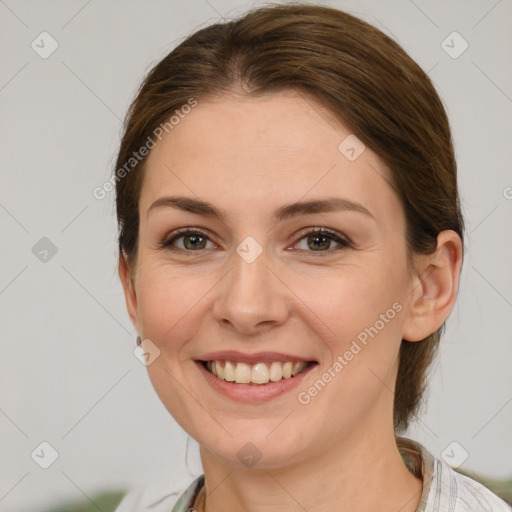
{"type": "Point", "coordinates": [260, 373]}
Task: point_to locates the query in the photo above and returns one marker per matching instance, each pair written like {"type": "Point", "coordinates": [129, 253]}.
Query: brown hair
{"type": "Point", "coordinates": [358, 73]}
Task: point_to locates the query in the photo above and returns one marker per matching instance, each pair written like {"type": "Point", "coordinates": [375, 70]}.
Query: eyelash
{"type": "Point", "coordinates": [168, 242]}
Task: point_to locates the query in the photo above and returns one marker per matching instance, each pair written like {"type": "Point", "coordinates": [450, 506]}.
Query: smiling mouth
{"type": "Point", "coordinates": [259, 373]}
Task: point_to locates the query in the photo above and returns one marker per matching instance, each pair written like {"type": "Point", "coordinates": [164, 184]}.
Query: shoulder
{"type": "Point", "coordinates": [472, 496]}
{"type": "Point", "coordinates": [444, 488]}
{"type": "Point", "coordinates": [455, 492]}
{"type": "Point", "coordinates": [160, 495]}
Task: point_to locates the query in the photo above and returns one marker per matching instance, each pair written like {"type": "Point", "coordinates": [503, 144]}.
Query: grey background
{"type": "Point", "coordinates": [67, 372]}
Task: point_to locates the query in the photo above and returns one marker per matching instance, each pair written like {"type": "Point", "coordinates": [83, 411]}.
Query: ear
{"type": "Point", "coordinates": [435, 287]}
{"type": "Point", "coordinates": [129, 292]}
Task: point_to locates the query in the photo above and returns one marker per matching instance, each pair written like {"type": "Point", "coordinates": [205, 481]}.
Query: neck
{"type": "Point", "coordinates": [362, 471]}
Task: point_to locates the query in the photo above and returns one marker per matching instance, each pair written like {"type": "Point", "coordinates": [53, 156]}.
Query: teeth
{"type": "Point", "coordinates": [220, 370]}
{"type": "Point", "coordinates": [229, 372]}
{"type": "Point", "coordinates": [276, 371]}
{"type": "Point", "coordinates": [297, 368]}
{"type": "Point", "coordinates": [242, 373]}
{"type": "Point", "coordinates": [287, 370]}
{"type": "Point", "coordinates": [260, 373]}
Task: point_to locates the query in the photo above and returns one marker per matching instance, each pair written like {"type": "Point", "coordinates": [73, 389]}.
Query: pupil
{"type": "Point", "coordinates": [195, 241]}
{"type": "Point", "coordinates": [315, 246]}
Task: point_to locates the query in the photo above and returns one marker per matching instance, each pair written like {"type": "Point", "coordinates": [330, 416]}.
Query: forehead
{"type": "Point", "coordinates": [245, 152]}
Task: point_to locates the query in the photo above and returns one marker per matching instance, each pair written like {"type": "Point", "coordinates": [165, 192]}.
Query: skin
{"type": "Point", "coordinates": [249, 156]}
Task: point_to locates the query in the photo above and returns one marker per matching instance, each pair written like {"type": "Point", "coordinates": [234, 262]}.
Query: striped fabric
{"type": "Point", "coordinates": [444, 490]}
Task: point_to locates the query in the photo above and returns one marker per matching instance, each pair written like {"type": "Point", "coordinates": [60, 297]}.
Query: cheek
{"type": "Point", "coordinates": [361, 316]}
{"type": "Point", "coordinates": [169, 303]}
{"type": "Point", "coordinates": [361, 313]}
{"type": "Point", "coordinates": [348, 300]}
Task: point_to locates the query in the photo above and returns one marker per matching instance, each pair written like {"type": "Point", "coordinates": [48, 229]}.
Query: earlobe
{"type": "Point", "coordinates": [129, 292]}
{"type": "Point", "coordinates": [435, 291]}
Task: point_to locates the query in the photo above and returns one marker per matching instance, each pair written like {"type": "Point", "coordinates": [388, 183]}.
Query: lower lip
{"type": "Point", "coordinates": [253, 393]}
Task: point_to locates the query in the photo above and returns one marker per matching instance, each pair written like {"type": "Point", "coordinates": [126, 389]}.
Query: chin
{"type": "Point", "coordinates": [255, 450]}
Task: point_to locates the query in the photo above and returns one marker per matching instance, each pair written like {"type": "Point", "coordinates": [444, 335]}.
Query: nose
{"type": "Point", "coordinates": [251, 297]}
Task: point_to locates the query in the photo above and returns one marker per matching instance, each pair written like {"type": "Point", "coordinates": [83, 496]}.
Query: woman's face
{"type": "Point", "coordinates": [257, 285]}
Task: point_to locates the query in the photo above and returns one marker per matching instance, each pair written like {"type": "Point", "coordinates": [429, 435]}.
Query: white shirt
{"type": "Point", "coordinates": [444, 489]}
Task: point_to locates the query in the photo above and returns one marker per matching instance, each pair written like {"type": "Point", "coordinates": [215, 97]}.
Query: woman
{"type": "Point", "coordinates": [290, 247]}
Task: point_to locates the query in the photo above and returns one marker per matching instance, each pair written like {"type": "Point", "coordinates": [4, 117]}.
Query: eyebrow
{"type": "Point", "coordinates": [207, 209]}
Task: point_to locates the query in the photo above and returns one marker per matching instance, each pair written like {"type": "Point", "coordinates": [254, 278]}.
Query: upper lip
{"type": "Point", "coordinates": [258, 357]}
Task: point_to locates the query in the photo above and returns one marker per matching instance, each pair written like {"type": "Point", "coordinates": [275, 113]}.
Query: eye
{"type": "Point", "coordinates": [192, 240]}
{"type": "Point", "coordinates": [321, 239]}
